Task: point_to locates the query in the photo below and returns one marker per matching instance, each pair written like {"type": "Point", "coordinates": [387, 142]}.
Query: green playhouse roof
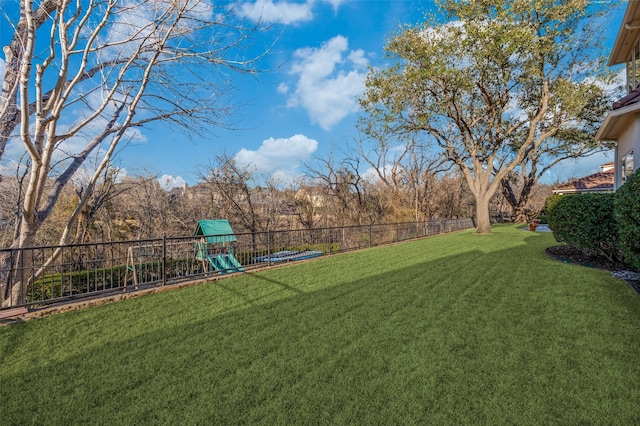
{"type": "Point", "coordinates": [216, 231]}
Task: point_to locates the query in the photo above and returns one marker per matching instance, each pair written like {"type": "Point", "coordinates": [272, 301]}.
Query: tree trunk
{"type": "Point", "coordinates": [518, 203]}
{"type": "Point", "coordinates": [519, 213]}
{"type": "Point", "coordinates": [482, 187]}
{"type": "Point", "coordinates": [483, 219]}
{"type": "Point", "coordinates": [15, 288]}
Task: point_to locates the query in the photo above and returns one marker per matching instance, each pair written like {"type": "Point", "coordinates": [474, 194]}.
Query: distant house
{"type": "Point", "coordinates": [602, 181]}
{"type": "Point", "coordinates": [621, 128]}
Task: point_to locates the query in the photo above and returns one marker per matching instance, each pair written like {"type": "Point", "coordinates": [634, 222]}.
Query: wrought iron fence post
{"type": "Point", "coordinates": [369, 235]}
{"type": "Point", "coordinates": [164, 259]}
{"type": "Point", "coordinates": [268, 247]}
{"type": "Point", "coordinates": [13, 267]}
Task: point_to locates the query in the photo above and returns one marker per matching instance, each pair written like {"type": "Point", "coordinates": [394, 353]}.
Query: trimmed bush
{"type": "Point", "coordinates": [587, 221]}
{"type": "Point", "coordinates": [543, 218]}
{"type": "Point", "coordinates": [550, 203]}
{"type": "Point", "coordinates": [627, 212]}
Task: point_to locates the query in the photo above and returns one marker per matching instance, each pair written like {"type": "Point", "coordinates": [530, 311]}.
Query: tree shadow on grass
{"type": "Point", "coordinates": [480, 336]}
{"type": "Point", "coordinates": [264, 277]}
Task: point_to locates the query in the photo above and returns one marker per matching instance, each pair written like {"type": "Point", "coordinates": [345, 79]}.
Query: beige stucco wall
{"type": "Point", "coordinates": [628, 141]}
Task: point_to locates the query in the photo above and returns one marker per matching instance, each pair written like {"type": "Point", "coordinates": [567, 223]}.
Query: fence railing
{"type": "Point", "coordinates": [93, 270]}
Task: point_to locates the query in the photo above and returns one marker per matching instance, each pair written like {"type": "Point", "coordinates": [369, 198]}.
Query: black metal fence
{"type": "Point", "coordinates": [65, 273]}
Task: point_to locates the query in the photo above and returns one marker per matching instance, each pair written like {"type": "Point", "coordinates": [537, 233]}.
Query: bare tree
{"type": "Point", "coordinates": [347, 198]}
{"type": "Point", "coordinates": [302, 203]}
{"type": "Point", "coordinates": [404, 169]}
{"type": "Point", "coordinates": [107, 67]}
{"type": "Point", "coordinates": [233, 195]}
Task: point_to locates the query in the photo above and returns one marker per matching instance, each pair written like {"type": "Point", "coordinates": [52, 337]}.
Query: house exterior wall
{"type": "Point", "coordinates": [629, 142]}
{"type": "Point", "coordinates": [622, 125]}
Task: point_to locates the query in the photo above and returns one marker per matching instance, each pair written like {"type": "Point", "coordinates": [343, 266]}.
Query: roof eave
{"type": "Point", "coordinates": [579, 191]}
{"type": "Point", "coordinates": [616, 122]}
{"type": "Point", "coordinates": [627, 34]}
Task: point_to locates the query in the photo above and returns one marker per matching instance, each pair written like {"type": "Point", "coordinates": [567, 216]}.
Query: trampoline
{"type": "Point", "coordinates": [288, 255]}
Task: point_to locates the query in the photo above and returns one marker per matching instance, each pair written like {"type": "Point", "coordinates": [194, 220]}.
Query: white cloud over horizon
{"type": "Point", "coordinates": [330, 79]}
{"type": "Point", "coordinates": [371, 174]}
{"type": "Point", "coordinates": [168, 182]}
{"type": "Point", "coordinates": [283, 155]}
{"type": "Point", "coordinates": [615, 87]}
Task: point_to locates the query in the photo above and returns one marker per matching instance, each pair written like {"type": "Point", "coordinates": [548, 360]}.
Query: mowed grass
{"type": "Point", "coordinates": [456, 329]}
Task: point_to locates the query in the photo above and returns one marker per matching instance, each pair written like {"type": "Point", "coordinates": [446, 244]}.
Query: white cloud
{"type": "Point", "coordinates": [134, 25]}
{"type": "Point", "coordinates": [83, 175]}
{"type": "Point", "coordinates": [282, 12]}
{"type": "Point", "coordinates": [615, 86]}
{"type": "Point", "coordinates": [371, 175]}
{"type": "Point", "coordinates": [283, 88]}
{"type": "Point", "coordinates": [168, 182]}
{"type": "Point", "coordinates": [357, 57]}
{"type": "Point", "coordinates": [9, 167]}
{"type": "Point", "coordinates": [330, 79]}
{"type": "Point", "coordinates": [285, 178]}
{"type": "Point", "coordinates": [335, 3]}
{"type": "Point", "coordinates": [120, 174]}
{"type": "Point", "coordinates": [278, 154]}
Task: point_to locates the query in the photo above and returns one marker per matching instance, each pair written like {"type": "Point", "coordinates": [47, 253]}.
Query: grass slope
{"type": "Point", "coordinates": [457, 329]}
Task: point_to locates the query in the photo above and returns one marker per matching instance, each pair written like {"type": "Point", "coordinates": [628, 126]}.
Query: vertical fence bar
{"type": "Point", "coordinates": [164, 259]}
{"type": "Point", "coordinates": [19, 265]}
{"type": "Point", "coordinates": [268, 247]}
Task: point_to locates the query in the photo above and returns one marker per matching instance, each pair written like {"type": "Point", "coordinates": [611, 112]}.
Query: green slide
{"type": "Point", "coordinates": [225, 263]}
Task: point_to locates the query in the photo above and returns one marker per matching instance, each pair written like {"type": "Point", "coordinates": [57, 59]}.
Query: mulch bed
{"type": "Point", "coordinates": [572, 254]}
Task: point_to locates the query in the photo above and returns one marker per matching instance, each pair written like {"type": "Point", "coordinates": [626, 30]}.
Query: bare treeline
{"type": "Point", "coordinates": [330, 193]}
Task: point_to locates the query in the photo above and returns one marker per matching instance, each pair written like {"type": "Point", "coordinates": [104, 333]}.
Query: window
{"type": "Point", "coordinates": [627, 166]}
{"type": "Point", "coordinates": [633, 68]}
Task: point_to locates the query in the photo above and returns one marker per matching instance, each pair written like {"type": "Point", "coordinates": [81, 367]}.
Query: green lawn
{"type": "Point", "coordinates": [456, 329]}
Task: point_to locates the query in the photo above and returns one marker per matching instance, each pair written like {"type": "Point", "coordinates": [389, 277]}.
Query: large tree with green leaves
{"type": "Point", "coordinates": [497, 83]}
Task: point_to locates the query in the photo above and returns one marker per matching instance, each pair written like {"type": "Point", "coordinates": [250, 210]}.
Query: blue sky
{"type": "Point", "coordinates": [304, 105]}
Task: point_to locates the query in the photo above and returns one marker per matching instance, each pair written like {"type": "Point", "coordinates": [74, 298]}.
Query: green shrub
{"type": "Point", "coordinates": [543, 218]}
{"type": "Point", "coordinates": [627, 212]}
{"type": "Point", "coordinates": [549, 206]}
{"type": "Point", "coordinates": [587, 221]}
{"type": "Point", "coordinates": [550, 203]}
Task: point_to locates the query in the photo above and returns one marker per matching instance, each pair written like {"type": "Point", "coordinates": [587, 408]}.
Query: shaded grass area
{"type": "Point", "coordinates": [457, 329]}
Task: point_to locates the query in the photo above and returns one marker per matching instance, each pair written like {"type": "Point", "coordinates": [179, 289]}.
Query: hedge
{"type": "Point", "coordinates": [627, 213]}
{"type": "Point", "coordinates": [587, 221]}
{"type": "Point", "coordinates": [550, 203]}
